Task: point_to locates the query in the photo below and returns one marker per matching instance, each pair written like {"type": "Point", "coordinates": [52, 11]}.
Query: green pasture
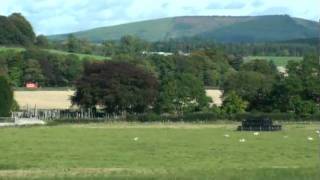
{"type": "Point", "coordinates": [277, 60]}
{"type": "Point", "coordinates": [158, 151]}
{"type": "Point", "coordinates": [81, 56]}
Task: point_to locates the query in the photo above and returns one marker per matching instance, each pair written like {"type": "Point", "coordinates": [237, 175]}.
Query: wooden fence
{"type": "Point", "coordinates": [64, 114]}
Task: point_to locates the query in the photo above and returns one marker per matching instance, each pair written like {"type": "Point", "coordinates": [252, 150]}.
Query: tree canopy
{"type": "Point", "coordinates": [117, 87]}
{"type": "Point", "coordinates": [16, 30]}
{"type": "Point", "coordinates": [181, 93]}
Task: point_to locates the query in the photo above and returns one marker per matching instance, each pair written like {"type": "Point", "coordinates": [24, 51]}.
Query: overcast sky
{"type": "Point", "coordinates": [62, 16]}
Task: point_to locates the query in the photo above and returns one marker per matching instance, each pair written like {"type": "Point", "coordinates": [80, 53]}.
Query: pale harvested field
{"type": "Point", "coordinates": [44, 99]}
{"type": "Point", "coordinates": [61, 99]}
{"type": "Point", "coordinates": [216, 96]}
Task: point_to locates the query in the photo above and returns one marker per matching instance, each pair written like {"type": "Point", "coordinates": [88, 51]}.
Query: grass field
{"type": "Point", "coordinates": [162, 151]}
{"type": "Point", "coordinates": [277, 60]}
{"type": "Point", "coordinates": [81, 56]}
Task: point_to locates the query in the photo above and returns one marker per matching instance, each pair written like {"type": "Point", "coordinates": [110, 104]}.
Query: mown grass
{"type": "Point", "coordinates": [277, 60]}
{"type": "Point", "coordinates": [163, 151]}
{"type": "Point", "coordinates": [80, 56]}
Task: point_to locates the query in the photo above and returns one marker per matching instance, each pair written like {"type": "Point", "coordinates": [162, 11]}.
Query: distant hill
{"type": "Point", "coordinates": [218, 28]}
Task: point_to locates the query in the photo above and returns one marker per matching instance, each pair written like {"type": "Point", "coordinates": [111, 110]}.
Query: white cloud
{"type": "Point", "coordinates": [61, 16]}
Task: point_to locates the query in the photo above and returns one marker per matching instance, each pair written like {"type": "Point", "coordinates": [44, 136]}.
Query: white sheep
{"type": "Point", "coordinates": [310, 138]}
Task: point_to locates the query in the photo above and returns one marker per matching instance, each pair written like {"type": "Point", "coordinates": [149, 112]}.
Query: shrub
{"type": "Point", "coordinates": [233, 104]}
{"type": "Point", "coordinates": [149, 117]}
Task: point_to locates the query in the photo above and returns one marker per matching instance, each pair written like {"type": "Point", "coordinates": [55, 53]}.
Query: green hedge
{"type": "Point", "coordinates": [209, 116]}
{"type": "Point", "coordinates": [193, 117]}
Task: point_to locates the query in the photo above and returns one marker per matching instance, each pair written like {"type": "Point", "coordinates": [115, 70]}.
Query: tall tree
{"type": "Point", "coordinates": [6, 97]}
{"type": "Point", "coordinates": [23, 25]}
{"type": "Point", "coordinates": [32, 72]}
{"type": "Point", "coordinates": [181, 93]}
{"type": "Point", "coordinates": [232, 103]}
{"type": "Point", "coordinates": [116, 86]}
{"type": "Point", "coordinates": [72, 43]}
{"type": "Point", "coordinates": [42, 41]}
{"type": "Point", "coordinates": [251, 86]}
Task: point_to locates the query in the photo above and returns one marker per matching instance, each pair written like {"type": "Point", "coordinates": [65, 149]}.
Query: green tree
{"type": "Point", "coordinates": [27, 36]}
{"type": "Point", "coordinates": [253, 87]}
{"type": "Point", "coordinates": [9, 33]}
{"type": "Point", "coordinates": [33, 72]}
{"type": "Point", "coordinates": [260, 66]}
{"type": "Point", "coordinates": [181, 93]}
{"type": "Point", "coordinates": [6, 97]}
{"type": "Point", "coordinates": [42, 41]}
{"type": "Point", "coordinates": [72, 43]}
{"type": "Point", "coordinates": [299, 92]}
{"type": "Point", "coordinates": [3, 65]}
{"type": "Point", "coordinates": [233, 104]}
{"type": "Point", "coordinates": [132, 45]}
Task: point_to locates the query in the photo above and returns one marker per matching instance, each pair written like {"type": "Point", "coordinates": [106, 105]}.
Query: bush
{"type": "Point", "coordinates": [6, 97]}
{"type": "Point", "coordinates": [188, 117]}
{"type": "Point", "coordinates": [278, 116]}
{"type": "Point", "coordinates": [233, 104]}
{"type": "Point", "coordinates": [201, 116]}
{"type": "Point", "coordinates": [149, 117]}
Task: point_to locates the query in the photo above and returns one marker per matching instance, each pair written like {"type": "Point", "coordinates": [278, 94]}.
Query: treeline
{"type": "Point", "coordinates": [40, 66]}
{"type": "Point", "coordinates": [126, 45]}
{"type": "Point", "coordinates": [132, 44]}
{"type": "Point", "coordinates": [294, 48]}
{"type": "Point", "coordinates": [211, 67]}
{"type": "Point", "coordinates": [175, 85]}
{"type": "Point", "coordinates": [258, 87]}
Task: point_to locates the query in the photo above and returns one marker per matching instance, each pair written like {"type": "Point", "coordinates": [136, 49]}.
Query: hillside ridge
{"type": "Point", "coordinates": [218, 28]}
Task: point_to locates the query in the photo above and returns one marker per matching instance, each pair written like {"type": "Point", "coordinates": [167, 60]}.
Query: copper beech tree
{"type": "Point", "coordinates": [117, 87]}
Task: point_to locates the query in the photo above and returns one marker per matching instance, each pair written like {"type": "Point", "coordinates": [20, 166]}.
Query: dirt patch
{"type": "Point", "coordinates": [216, 96]}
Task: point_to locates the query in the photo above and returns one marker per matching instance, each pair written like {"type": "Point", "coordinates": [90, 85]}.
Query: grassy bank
{"type": "Point", "coordinates": [161, 151]}
{"type": "Point", "coordinates": [80, 56]}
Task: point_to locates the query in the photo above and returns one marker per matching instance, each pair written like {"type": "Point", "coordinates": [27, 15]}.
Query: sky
{"type": "Point", "coordinates": [63, 16]}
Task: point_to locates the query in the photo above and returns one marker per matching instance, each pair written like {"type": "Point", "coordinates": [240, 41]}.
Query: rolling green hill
{"type": "Point", "coordinates": [219, 28]}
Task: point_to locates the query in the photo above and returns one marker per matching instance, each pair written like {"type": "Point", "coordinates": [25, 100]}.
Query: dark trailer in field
{"type": "Point", "coordinates": [258, 123]}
